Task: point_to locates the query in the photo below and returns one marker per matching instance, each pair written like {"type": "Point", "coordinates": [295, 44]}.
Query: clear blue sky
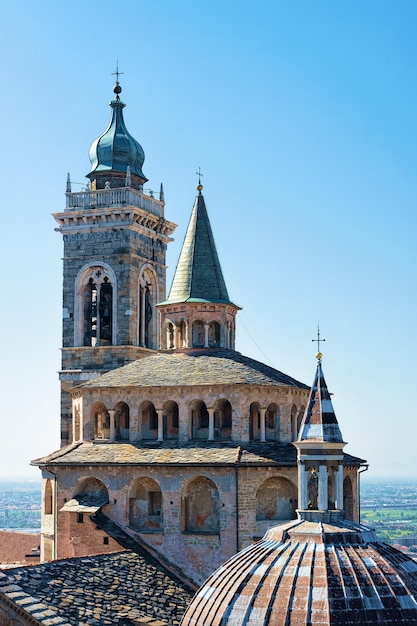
{"type": "Point", "coordinates": [303, 118]}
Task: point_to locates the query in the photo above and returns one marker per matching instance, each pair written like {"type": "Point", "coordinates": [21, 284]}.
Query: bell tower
{"type": "Point", "coordinates": [115, 240]}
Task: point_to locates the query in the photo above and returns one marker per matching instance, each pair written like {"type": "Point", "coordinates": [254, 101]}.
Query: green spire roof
{"type": "Point", "coordinates": [198, 276]}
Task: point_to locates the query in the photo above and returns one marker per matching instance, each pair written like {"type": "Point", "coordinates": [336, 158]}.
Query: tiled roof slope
{"type": "Point", "coordinates": [16, 546]}
{"type": "Point", "coordinates": [198, 276]}
{"type": "Point", "coordinates": [110, 589]}
{"type": "Point", "coordinates": [124, 540]}
{"type": "Point", "coordinates": [310, 573]}
{"type": "Point", "coordinates": [319, 422]}
{"type": "Point", "coordinates": [179, 453]}
{"type": "Point", "coordinates": [194, 367]}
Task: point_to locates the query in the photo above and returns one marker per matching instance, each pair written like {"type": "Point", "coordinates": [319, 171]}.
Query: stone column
{"type": "Point", "coordinates": [177, 338]}
{"type": "Point", "coordinates": [322, 488]}
{"type": "Point", "coordinates": [167, 337]}
{"type": "Point", "coordinates": [222, 337]}
{"type": "Point", "coordinates": [160, 424]}
{"type": "Point", "coordinates": [302, 487]}
{"type": "Point", "coordinates": [189, 333]}
{"type": "Point", "coordinates": [99, 433]}
{"type": "Point", "coordinates": [135, 428]}
{"type": "Point", "coordinates": [112, 414]}
{"type": "Point", "coordinates": [211, 424]}
{"type": "Point", "coordinates": [206, 336]}
{"type": "Point", "coordinates": [184, 416]}
{"type": "Point", "coordinates": [338, 485]}
{"type": "Point", "coordinates": [262, 433]}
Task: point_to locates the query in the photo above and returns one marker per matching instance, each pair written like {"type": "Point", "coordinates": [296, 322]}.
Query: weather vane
{"type": "Point", "coordinates": [318, 354]}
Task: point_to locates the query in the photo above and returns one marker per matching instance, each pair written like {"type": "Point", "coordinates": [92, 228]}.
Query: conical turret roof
{"type": "Point", "coordinates": [319, 422]}
{"type": "Point", "coordinates": [198, 276]}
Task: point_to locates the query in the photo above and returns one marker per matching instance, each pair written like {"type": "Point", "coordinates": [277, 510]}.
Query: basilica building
{"type": "Point", "coordinates": [170, 438]}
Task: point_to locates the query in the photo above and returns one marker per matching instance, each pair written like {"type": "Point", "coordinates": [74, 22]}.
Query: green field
{"type": "Point", "coordinates": [391, 524]}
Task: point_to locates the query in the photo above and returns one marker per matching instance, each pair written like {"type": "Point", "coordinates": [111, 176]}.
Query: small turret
{"type": "Point", "coordinates": [198, 312]}
{"type": "Point", "coordinates": [320, 456]}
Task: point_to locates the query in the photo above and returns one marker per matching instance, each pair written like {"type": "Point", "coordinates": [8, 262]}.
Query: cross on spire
{"type": "Point", "coordinates": [318, 341]}
{"type": "Point", "coordinates": [199, 174]}
{"type": "Point", "coordinates": [117, 73]}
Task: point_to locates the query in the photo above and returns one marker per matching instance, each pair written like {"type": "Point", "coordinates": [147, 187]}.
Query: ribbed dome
{"type": "Point", "coordinates": [116, 149]}
{"type": "Point", "coordinates": [310, 573]}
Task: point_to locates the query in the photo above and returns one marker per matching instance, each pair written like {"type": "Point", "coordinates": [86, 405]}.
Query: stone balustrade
{"type": "Point", "coordinates": [119, 197]}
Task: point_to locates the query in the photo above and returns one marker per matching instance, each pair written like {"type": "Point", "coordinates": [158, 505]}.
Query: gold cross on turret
{"type": "Point", "coordinates": [318, 353]}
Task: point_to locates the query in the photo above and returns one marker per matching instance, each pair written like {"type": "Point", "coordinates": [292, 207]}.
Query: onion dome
{"type": "Point", "coordinates": [116, 150]}
{"type": "Point", "coordinates": [310, 573]}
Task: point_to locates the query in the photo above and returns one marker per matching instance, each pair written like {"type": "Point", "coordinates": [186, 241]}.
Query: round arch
{"type": "Point", "coordinates": [101, 417]}
{"type": "Point", "coordinates": [148, 296]}
{"type": "Point", "coordinates": [149, 420]}
{"type": "Point", "coordinates": [214, 334]}
{"type": "Point", "coordinates": [293, 419]}
{"type": "Point", "coordinates": [122, 420]}
{"type": "Point", "coordinates": [198, 334]}
{"type": "Point", "coordinates": [276, 499]}
{"type": "Point", "coordinates": [272, 422]}
{"type": "Point", "coordinates": [199, 419]}
{"type": "Point", "coordinates": [201, 506]}
{"type": "Point", "coordinates": [222, 419]}
{"type": "Point", "coordinates": [47, 498]}
{"type": "Point", "coordinates": [145, 505]}
{"type": "Point", "coordinates": [254, 421]}
{"type": "Point", "coordinates": [95, 306]}
{"type": "Point", "coordinates": [170, 418]}
{"type": "Point", "coordinates": [91, 488]}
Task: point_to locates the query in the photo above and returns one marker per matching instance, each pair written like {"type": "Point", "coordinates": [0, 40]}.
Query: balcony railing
{"type": "Point", "coordinates": [120, 197]}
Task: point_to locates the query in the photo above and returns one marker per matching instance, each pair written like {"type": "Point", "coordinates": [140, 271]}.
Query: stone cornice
{"type": "Point", "coordinates": [109, 218]}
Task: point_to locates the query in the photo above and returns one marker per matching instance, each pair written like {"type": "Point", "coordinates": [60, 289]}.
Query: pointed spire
{"type": "Point", "coordinates": [319, 422]}
{"type": "Point", "coordinates": [161, 194]}
{"type": "Point", "coordinates": [198, 276]}
{"type": "Point", "coordinates": [68, 183]}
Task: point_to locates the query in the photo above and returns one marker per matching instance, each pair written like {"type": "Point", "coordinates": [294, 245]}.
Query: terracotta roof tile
{"type": "Point", "coordinates": [310, 573]}
{"type": "Point", "coordinates": [15, 546]}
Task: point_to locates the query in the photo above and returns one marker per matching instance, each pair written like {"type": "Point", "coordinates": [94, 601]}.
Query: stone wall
{"type": "Point", "coordinates": [196, 552]}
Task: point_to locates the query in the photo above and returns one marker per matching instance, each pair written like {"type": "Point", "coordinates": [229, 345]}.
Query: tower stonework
{"type": "Point", "coordinates": [115, 240]}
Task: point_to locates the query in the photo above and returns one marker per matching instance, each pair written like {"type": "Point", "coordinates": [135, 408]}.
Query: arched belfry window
{"type": "Point", "coordinates": [95, 307]}
{"type": "Point", "coordinates": [198, 334]}
{"type": "Point", "coordinates": [148, 297]}
{"type": "Point", "coordinates": [98, 313]}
